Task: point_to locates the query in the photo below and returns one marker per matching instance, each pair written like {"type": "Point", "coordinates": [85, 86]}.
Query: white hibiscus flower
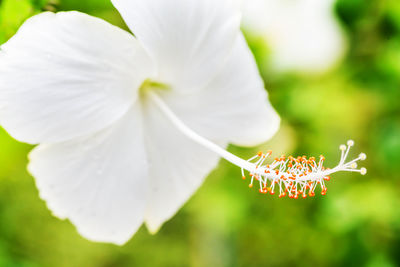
{"type": "Point", "coordinates": [303, 35]}
{"type": "Point", "coordinates": [121, 121]}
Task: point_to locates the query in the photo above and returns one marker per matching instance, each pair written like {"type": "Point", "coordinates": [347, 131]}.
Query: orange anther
{"type": "Point", "coordinates": [243, 177]}
{"type": "Point", "coordinates": [250, 185]}
{"type": "Point", "coordinates": [259, 154]}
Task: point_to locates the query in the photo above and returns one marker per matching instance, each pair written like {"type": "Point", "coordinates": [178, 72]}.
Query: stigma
{"type": "Point", "coordinates": [298, 177]}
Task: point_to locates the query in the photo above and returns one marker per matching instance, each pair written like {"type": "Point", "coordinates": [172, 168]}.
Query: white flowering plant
{"type": "Point", "coordinates": [127, 126]}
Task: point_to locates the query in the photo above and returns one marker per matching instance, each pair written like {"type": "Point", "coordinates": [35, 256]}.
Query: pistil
{"type": "Point", "coordinates": [289, 176]}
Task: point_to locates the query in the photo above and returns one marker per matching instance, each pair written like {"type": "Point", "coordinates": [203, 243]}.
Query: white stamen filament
{"type": "Point", "coordinates": [293, 176]}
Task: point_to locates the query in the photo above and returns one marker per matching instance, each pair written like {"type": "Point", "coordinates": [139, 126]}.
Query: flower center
{"type": "Point", "coordinates": [292, 176]}
{"type": "Point", "coordinates": [150, 85]}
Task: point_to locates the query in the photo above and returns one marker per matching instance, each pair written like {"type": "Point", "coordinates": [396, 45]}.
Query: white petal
{"type": "Point", "coordinates": [302, 35]}
{"type": "Point", "coordinates": [178, 167]}
{"type": "Point", "coordinates": [189, 39]}
{"type": "Point", "coordinates": [234, 107]}
{"type": "Point", "coordinates": [68, 74]}
{"type": "Point", "coordinates": [98, 182]}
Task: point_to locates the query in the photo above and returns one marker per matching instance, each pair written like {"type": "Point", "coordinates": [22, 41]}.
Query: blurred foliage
{"type": "Point", "coordinates": [225, 223]}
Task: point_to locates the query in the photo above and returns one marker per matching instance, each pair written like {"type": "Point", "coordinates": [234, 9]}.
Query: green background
{"type": "Point", "coordinates": [225, 223]}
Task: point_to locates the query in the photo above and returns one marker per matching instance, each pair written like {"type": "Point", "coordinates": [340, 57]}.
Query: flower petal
{"type": "Point", "coordinates": [99, 182]}
{"type": "Point", "coordinates": [178, 167]}
{"type": "Point", "coordinates": [188, 39]}
{"type": "Point", "coordinates": [234, 107]}
{"type": "Point", "coordinates": [302, 35]}
{"type": "Point", "coordinates": [66, 75]}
